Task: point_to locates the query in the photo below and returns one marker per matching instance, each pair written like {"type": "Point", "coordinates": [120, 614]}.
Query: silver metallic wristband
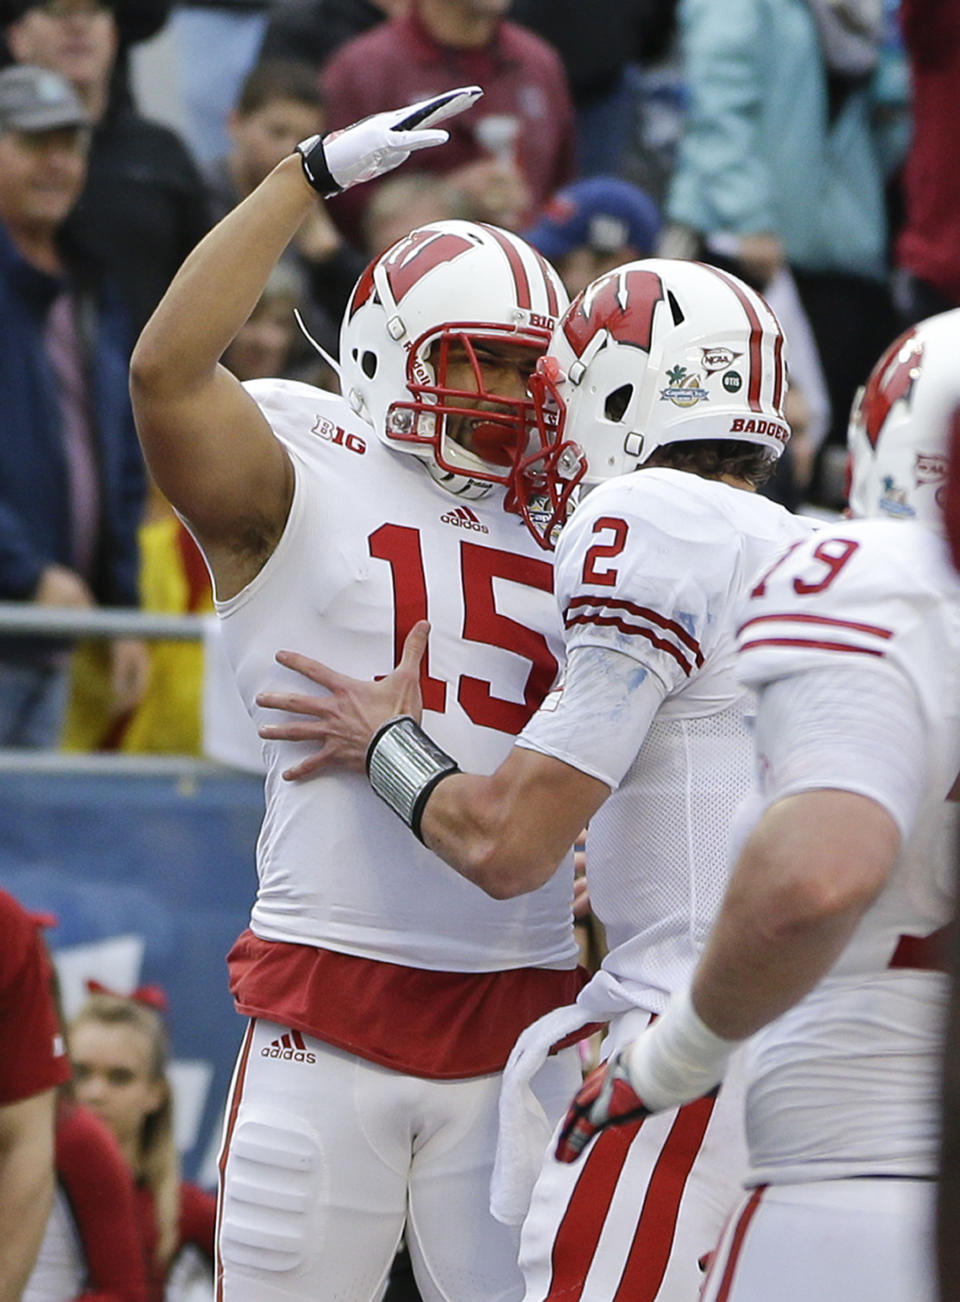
{"type": "Point", "coordinates": [404, 765]}
{"type": "Point", "coordinates": [315, 169]}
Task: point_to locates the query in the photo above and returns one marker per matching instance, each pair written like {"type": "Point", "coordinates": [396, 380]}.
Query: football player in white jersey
{"type": "Point", "coordinates": [666, 381]}
{"type": "Point", "coordinates": [384, 992]}
{"type": "Point", "coordinates": [829, 949]}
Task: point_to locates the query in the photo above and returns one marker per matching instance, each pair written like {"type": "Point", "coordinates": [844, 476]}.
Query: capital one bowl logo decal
{"type": "Point", "coordinates": [683, 390]}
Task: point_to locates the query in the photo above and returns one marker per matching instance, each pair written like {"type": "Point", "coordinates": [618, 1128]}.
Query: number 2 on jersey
{"type": "Point", "coordinates": [606, 578]}
{"type": "Point", "coordinates": [399, 546]}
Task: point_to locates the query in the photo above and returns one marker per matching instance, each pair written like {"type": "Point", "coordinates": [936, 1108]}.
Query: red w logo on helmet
{"type": "Point", "coordinates": [891, 379]}
{"type": "Point", "coordinates": [622, 303]}
{"type": "Point", "coordinates": [419, 253]}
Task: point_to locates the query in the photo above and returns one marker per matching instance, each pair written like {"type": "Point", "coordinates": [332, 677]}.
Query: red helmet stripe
{"type": "Point", "coordinates": [363, 289]}
{"type": "Point", "coordinates": [756, 339]}
{"type": "Point", "coordinates": [779, 371]}
{"type": "Point", "coordinates": [520, 277]}
{"type": "Point", "coordinates": [553, 303]}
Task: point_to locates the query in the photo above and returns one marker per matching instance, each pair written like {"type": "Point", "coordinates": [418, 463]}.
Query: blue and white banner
{"type": "Point", "coordinates": [151, 879]}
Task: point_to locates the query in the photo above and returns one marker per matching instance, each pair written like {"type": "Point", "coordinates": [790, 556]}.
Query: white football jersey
{"type": "Point", "coordinates": [847, 1082]}
{"type": "Point", "coordinates": [653, 566]}
{"type": "Point", "coordinates": [371, 545]}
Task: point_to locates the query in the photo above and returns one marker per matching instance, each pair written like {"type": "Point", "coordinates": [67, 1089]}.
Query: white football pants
{"type": "Point", "coordinates": [326, 1158]}
{"type": "Point", "coordinates": [633, 1218]}
{"type": "Point", "coordinates": [863, 1240]}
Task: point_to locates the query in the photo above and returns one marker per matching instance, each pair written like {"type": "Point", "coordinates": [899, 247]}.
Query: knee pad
{"type": "Point", "coordinates": [270, 1192]}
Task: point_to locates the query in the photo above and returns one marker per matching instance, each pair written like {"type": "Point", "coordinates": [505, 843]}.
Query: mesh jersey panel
{"type": "Point", "coordinates": [657, 851]}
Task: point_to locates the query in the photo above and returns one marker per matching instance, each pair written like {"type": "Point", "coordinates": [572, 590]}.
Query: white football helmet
{"type": "Point", "coordinates": [901, 424]}
{"type": "Point", "coordinates": [448, 285]}
{"type": "Point", "coordinates": [657, 351]}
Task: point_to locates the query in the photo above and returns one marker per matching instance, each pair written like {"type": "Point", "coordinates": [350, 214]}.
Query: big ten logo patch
{"type": "Point", "coordinates": [337, 435]}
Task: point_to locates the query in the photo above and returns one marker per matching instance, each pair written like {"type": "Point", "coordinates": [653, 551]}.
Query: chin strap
{"type": "Point", "coordinates": [459, 485]}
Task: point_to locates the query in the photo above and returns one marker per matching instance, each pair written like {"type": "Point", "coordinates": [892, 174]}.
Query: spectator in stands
{"type": "Point", "coordinates": [509, 152]}
{"type": "Point", "coordinates": [793, 125]}
{"type": "Point", "coordinates": [119, 1049]}
{"type": "Point", "coordinates": [600, 44]}
{"type": "Point", "coordinates": [594, 225]}
{"type": "Point", "coordinates": [137, 20]}
{"type": "Point", "coordinates": [208, 85]}
{"type": "Point", "coordinates": [32, 1065]}
{"type": "Point", "coordinates": [143, 207]}
{"type": "Point", "coordinates": [408, 200]}
{"type": "Point", "coordinates": [313, 29]}
{"type": "Point", "coordinates": [91, 1247]}
{"type": "Point", "coordinates": [173, 577]}
{"type": "Point", "coordinates": [71, 474]}
{"type": "Point", "coordinates": [278, 105]}
{"type": "Point", "coordinates": [928, 249]}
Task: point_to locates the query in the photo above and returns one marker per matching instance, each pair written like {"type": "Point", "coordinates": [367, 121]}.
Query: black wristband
{"type": "Point", "coordinates": [315, 169]}
{"type": "Point", "coordinates": [403, 767]}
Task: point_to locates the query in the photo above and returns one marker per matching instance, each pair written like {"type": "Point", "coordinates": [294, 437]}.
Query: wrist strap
{"type": "Point", "coordinates": [404, 765]}
{"type": "Point", "coordinates": [678, 1058]}
{"type": "Point", "coordinates": [315, 169]}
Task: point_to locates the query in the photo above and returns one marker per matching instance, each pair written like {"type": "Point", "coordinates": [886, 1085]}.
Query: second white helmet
{"type": "Point", "coordinates": [658, 351]}
{"type": "Point", "coordinates": [901, 423]}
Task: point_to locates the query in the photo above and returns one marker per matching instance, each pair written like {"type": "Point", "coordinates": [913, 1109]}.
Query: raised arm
{"type": "Point", "coordinates": [206, 442]}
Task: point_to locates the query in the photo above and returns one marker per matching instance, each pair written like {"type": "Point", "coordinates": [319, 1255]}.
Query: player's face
{"type": "Point", "coordinates": [111, 1073]}
{"type": "Point", "coordinates": [505, 371]}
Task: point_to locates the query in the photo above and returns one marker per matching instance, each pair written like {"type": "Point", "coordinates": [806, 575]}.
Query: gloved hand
{"type": "Point", "coordinates": [379, 143]}
{"type": "Point", "coordinates": [606, 1098]}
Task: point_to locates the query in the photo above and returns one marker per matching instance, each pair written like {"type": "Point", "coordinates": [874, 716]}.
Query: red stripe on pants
{"type": "Point", "coordinates": [579, 1232]}
{"type": "Point", "coordinates": [653, 1239]}
{"type": "Point", "coordinates": [228, 1135]}
{"type": "Point", "coordinates": [736, 1244]}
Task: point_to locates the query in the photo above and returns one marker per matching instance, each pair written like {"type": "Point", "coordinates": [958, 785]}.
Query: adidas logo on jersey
{"type": "Point", "coordinates": [289, 1047]}
{"type": "Point", "coordinates": [463, 518]}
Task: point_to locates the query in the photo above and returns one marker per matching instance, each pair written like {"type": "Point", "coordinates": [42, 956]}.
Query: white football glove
{"type": "Point", "coordinates": [379, 143]}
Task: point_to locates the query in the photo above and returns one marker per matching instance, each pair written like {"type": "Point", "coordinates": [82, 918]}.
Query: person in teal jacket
{"type": "Point", "coordinates": [797, 119]}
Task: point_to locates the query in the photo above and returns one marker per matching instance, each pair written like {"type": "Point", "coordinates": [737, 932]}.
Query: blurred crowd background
{"type": "Point", "coordinates": [801, 143]}
{"type": "Point", "coordinates": [804, 144]}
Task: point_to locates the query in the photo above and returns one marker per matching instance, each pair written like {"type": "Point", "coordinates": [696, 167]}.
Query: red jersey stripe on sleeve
{"type": "Point", "coordinates": [632, 627]}
{"type": "Point", "coordinates": [811, 644]}
{"type": "Point", "coordinates": [825, 621]}
{"type": "Point", "coordinates": [644, 612]}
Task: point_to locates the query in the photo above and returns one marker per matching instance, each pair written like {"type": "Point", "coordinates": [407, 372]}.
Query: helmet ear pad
{"type": "Point", "coordinates": [901, 424]}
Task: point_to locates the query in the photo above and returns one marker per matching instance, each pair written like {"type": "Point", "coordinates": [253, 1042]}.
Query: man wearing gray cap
{"type": "Point", "coordinates": [71, 477]}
